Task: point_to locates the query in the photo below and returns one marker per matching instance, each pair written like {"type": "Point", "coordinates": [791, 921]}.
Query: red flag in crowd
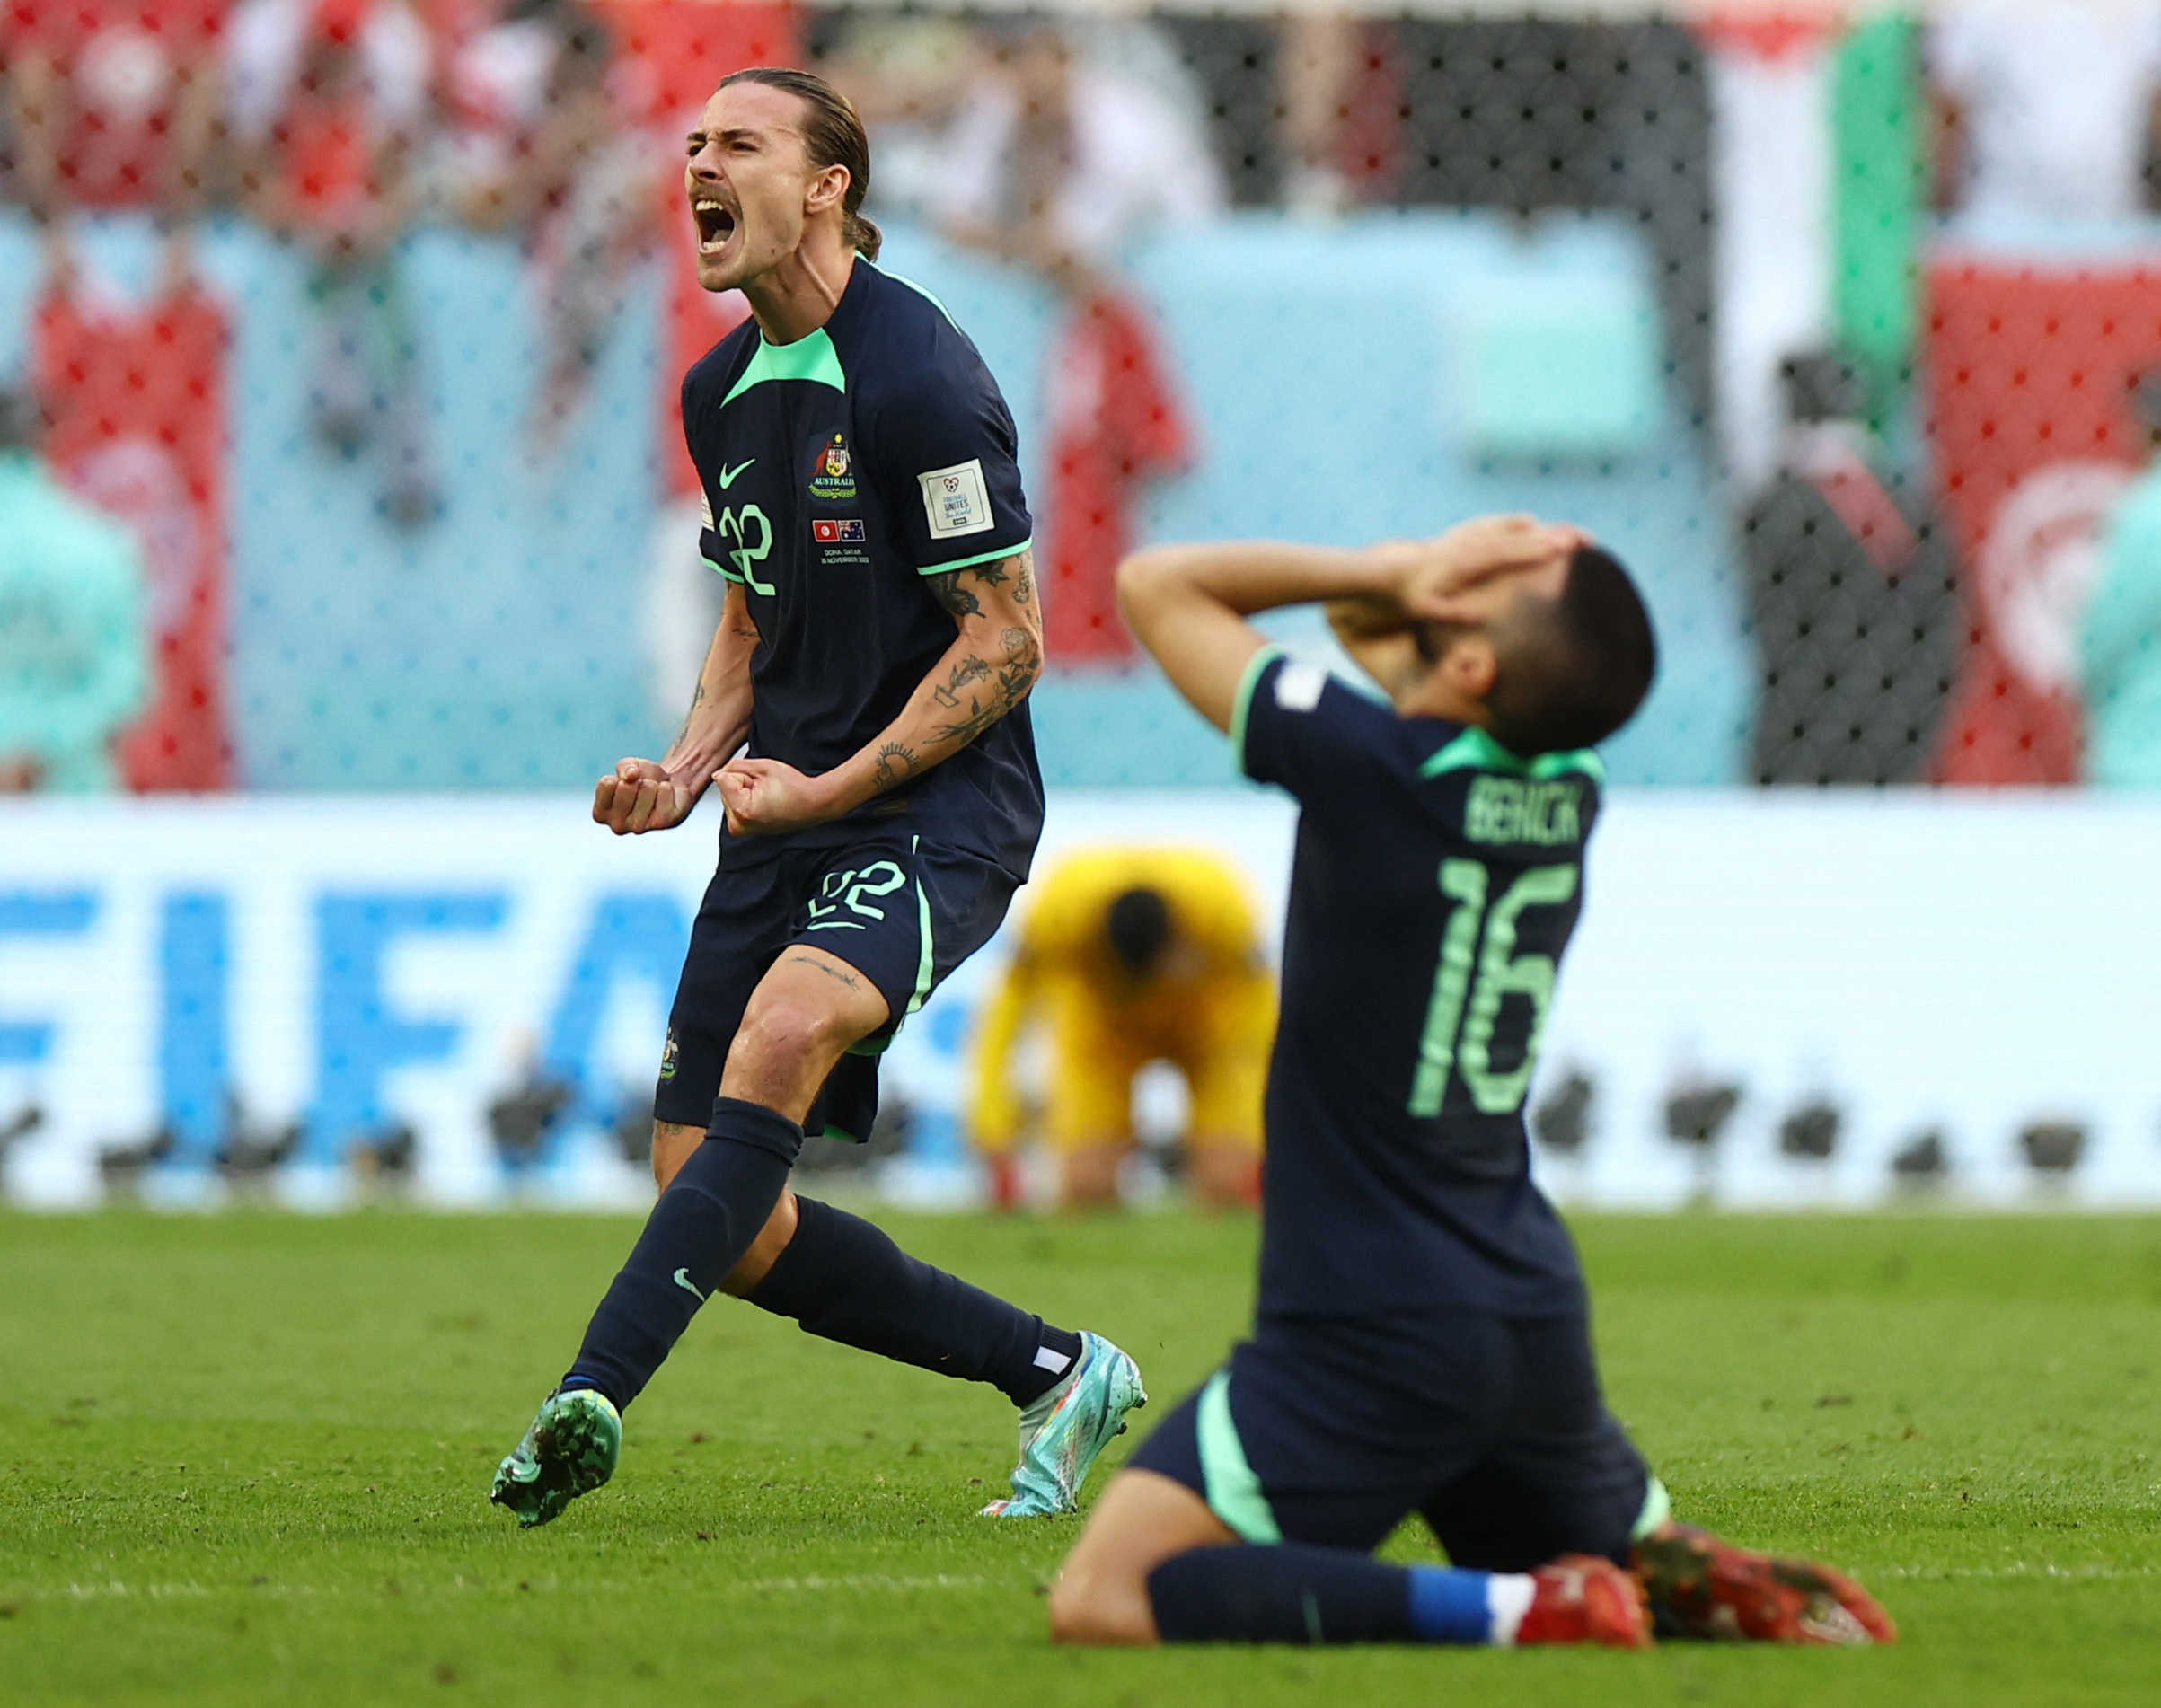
{"type": "Point", "coordinates": [1115, 422]}
{"type": "Point", "coordinates": [123, 65]}
{"type": "Point", "coordinates": [678, 51]}
{"type": "Point", "coordinates": [2029, 374]}
{"type": "Point", "coordinates": [137, 427]}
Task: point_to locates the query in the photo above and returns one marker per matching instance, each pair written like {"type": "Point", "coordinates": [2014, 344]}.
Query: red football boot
{"type": "Point", "coordinates": [1581, 1599]}
{"type": "Point", "coordinates": [1699, 1586]}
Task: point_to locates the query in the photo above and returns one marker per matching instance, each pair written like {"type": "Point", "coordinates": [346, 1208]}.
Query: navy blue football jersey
{"type": "Point", "coordinates": [1436, 881]}
{"type": "Point", "coordinates": [839, 471]}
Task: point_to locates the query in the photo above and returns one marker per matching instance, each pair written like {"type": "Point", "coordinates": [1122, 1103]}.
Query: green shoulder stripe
{"type": "Point", "coordinates": [1475, 750]}
{"type": "Point", "coordinates": [927, 296]}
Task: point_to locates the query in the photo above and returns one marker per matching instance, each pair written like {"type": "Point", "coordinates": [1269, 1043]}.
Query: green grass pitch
{"type": "Point", "coordinates": [245, 1459]}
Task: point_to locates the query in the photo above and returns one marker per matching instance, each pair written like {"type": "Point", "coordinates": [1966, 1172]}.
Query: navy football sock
{"type": "Point", "coordinates": [714, 1208]}
{"type": "Point", "coordinates": [1292, 1593]}
{"type": "Point", "coordinates": [843, 1278]}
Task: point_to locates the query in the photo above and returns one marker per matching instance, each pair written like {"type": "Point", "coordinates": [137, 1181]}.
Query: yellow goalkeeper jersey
{"type": "Point", "coordinates": [1208, 1007]}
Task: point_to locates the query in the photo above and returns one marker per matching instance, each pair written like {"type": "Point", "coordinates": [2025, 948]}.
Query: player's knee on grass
{"type": "Point", "coordinates": [1101, 1595]}
{"type": "Point", "coordinates": [1101, 1606]}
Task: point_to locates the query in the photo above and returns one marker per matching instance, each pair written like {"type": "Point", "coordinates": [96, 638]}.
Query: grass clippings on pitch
{"type": "Point", "coordinates": [245, 1459]}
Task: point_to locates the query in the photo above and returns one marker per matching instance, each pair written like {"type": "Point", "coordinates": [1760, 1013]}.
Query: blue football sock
{"type": "Point", "coordinates": [843, 1277]}
{"type": "Point", "coordinates": [1290, 1592]}
{"type": "Point", "coordinates": [715, 1207]}
{"type": "Point", "coordinates": [1452, 1605]}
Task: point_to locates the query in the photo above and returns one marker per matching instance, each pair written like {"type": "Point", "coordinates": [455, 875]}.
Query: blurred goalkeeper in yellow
{"type": "Point", "coordinates": [1132, 955]}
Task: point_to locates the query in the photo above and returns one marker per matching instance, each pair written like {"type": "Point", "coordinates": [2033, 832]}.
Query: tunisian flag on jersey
{"type": "Point", "coordinates": [137, 409]}
{"type": "Point", "coordinates": [1116, 423]}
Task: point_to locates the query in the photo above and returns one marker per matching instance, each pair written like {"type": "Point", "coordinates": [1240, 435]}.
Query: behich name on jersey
{"type": "Point", "coordinates": [1504, 809]}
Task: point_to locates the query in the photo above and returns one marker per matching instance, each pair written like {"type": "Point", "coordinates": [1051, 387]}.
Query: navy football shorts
{"type": "Point", "coordinates": [1492, 1429]}
{"type": "Point", "coordinates": [902, 910]}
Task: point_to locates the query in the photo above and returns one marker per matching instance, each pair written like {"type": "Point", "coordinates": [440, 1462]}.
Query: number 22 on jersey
{"type": "Point", "coordinates": [748, 553]}
{"type": "Point", "coordinates": [1480, 969]}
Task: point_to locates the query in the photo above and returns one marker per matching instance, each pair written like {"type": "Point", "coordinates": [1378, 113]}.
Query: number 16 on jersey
{"type": "Point", "coordinates": [1479, 969]}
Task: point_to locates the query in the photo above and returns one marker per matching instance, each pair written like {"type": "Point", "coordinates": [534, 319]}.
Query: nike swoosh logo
{"type": "Point", "coordinates": [683, 1279]}
{"type": "Point", "coordinates": [727, 476]}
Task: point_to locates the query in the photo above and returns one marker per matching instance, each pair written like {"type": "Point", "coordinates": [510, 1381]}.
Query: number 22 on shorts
{"type": "Point", "coordinates": [848, 890]}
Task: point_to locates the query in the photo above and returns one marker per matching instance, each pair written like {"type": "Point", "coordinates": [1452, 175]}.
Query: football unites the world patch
{"type": "Point", "coordinates": [846, 530]}
{"type": "Point", "coordinates": [833, 472]}
{"type": "Point", "coordinates": [957, 500]}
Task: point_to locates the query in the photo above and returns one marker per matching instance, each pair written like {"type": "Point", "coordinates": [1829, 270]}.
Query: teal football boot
{"type": "Point", "coordinates": [1062, 1432]}
{"type": "Point", "coordinates": [571, 1450]}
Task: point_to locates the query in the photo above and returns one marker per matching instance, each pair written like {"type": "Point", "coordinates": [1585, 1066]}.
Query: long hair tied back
{"type": "Point", "coordinates": [835, 137]}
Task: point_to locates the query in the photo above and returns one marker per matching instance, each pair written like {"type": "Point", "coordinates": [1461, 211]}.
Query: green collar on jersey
{"type": "Point", "coordinates": [1475, 750]}
{"type": "Point", "coordinates": [811, 358]}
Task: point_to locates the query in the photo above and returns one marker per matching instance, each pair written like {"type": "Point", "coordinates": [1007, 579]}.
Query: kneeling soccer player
{"type": "Point", "coordinates": [1132, 955]}
{"type": "Point", "coordinates": [1422, 1342]}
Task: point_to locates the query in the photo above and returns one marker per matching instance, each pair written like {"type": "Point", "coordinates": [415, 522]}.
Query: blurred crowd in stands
{"type": "Point", "coordinates": [1053, 145]}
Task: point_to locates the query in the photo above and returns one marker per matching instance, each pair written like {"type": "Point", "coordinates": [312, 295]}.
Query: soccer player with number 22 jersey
{"type": "Point", "coordinates": [879, 635]}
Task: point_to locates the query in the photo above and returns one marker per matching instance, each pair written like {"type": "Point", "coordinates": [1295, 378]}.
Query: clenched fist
{"type": "Point", "coordinates": [764, 796]}
{"type": "Point", "coordinates": [641, 797]}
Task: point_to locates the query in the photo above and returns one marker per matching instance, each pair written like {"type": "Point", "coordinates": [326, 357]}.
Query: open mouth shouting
{"type": "Point", "coordinates": [716, 224]}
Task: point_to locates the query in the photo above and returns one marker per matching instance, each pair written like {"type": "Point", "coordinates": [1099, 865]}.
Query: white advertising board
{"type": "Point", "coordinates": [1972, 966]}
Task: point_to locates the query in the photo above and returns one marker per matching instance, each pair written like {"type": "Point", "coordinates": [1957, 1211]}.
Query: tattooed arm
{"type": "Point", "coordinates": [645, 796]}
{"type": "Point", "coordinates": [989, 669]}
